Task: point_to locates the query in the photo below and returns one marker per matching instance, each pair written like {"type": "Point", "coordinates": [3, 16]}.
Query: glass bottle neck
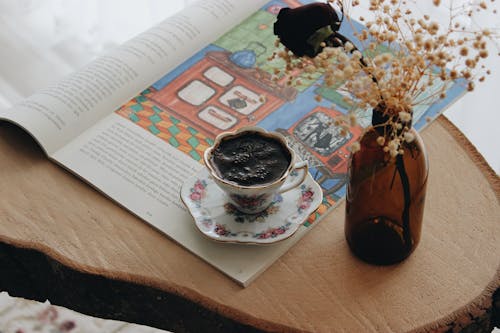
{"type": "Point", "coordinates": [382, 118]}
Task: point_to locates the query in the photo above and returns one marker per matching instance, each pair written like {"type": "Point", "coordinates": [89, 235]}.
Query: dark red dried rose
{"type": "Point", "coordinates": [302, 29]}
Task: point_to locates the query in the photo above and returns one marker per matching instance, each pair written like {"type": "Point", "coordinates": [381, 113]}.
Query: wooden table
{"type": "Point", "coordinates": [62, 240]}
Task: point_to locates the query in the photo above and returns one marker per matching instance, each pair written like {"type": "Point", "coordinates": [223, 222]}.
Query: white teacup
{"type": "Point", "coordinates": [256, 198]}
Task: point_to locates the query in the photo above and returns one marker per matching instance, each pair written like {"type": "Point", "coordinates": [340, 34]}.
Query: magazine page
{"type": "Point", "coordinates": [61, 112]}
{"type": "Point", "coordinates": [141, 154]}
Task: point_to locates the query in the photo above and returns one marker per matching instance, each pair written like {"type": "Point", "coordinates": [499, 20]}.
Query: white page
{"type": "Point", "coordinates": [60, 113]}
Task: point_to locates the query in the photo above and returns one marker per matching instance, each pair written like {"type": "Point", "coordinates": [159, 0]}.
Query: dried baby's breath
{"type": "Point", "coordinates": [404, 56]}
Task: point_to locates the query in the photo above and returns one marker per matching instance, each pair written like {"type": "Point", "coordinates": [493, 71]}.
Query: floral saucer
{"type": "Point", "coordinates": [219, 220]}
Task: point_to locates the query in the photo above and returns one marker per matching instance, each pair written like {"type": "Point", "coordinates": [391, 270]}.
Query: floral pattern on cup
{"type": "Point", "coordinates": [198, 192]}
{"type": "Point", "coordinates": [273, 232]}
{"type": "Point", "coordinates": [222, 230]}
{"type": "Point", "coordinates": [306, 198]}
{"type": "Point", "coordinates": [250, 202]}
{"type": "Point", "coordinates": [258, 217]}
{"type": "Point", "coordinates": [206, 223]}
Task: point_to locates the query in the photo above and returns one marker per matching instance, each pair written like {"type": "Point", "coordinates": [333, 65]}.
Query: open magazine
{"type": "Point", "coordinates": [134, 123]}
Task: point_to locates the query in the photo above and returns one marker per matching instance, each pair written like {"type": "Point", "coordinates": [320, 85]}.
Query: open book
{"type": "Point", "coordinates": [134, 123]}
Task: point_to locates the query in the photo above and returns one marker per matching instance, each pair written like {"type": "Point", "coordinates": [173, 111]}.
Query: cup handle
{"type": "Point", "coordinates": [303, 167]}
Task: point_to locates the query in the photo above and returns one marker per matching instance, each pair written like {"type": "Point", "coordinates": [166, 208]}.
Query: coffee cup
{"type": "Point", "coordinates": [252, 165]}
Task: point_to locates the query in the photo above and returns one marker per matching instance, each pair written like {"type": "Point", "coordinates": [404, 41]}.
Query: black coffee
{"type": "Point", "coordinates": [251, 159]}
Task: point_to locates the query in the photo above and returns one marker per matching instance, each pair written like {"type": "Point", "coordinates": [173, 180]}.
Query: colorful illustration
{"type": "Point", "coordinates": [231, 83]}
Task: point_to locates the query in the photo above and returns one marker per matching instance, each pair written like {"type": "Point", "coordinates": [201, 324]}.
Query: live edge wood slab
{"type": "Point", "coordinates": [62, 240]}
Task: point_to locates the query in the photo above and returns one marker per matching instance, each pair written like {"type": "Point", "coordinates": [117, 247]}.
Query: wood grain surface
{"type": "Point", "coordinates": [85, 246]}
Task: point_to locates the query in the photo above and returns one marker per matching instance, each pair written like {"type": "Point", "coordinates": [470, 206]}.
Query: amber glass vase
{"type": "Point", "coordinates": [385, 200]}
